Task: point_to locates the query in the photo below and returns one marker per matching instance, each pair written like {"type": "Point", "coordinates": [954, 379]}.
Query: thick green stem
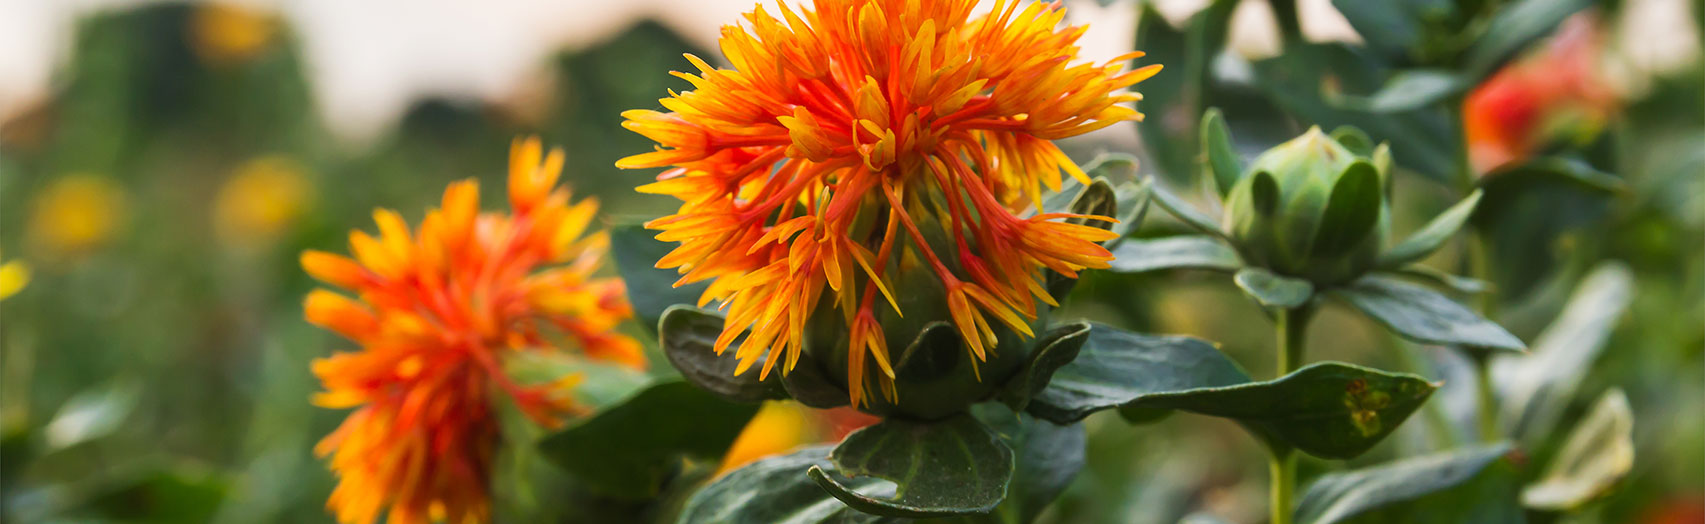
{"type": "Point", "coordinates": [1283, 466]}
{"type": "Point", "coordinates": [1488, 400]}
{"type": "Point", "coordinates": [1291, 327]}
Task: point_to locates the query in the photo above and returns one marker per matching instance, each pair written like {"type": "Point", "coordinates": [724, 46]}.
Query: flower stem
{"type": "Point", "coordinates": [1488, 400]}
{"type": "Point", "coordinates": [1291, 327]}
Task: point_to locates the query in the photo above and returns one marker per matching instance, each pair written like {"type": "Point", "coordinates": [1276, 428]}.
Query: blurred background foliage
{"type": "Point", "coordinates": [155, 366]}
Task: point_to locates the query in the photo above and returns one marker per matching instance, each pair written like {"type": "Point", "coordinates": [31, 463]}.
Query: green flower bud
{"type": "Point", "coordinates": [1312, 209]}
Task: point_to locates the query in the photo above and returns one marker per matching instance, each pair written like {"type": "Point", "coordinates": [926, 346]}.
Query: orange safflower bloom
{"type": "Point", "coordinates": [436, 311]}
{"type": "Point", "coordinates": [845, 139]}
{"type": "Point", "coordinates": [1558, 90]}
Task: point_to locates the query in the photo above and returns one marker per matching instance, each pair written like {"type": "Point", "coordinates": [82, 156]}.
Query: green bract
{"type": "Point", "coordinates": [1310, 208]}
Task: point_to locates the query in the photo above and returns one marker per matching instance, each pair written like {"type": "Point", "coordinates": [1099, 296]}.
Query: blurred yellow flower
{"type": "Point", "coordinates": [223, 33]}
{"type": "Point", "coordinates": [261, 200]}
{"type": "Point", "coordinates": [13, 276]}
{"type": "Point", "coordinates": [76, 213]}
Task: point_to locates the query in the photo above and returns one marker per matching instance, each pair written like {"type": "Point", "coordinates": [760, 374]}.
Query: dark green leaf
{"type": "Point", "coordinates": [1423, 315]}
{"type": "Point", "coordinates": [1115, 366]}
{"type": "Point", "coordinates": [1140, 255]}
{"type": "Point", "coordinates": [1327, 409]}
{"type": "Point", "coordinates": [1174, 98]}
{"type": "Point", "coordinates": [1222, 160]}
{"type": "Point", "coordinates": [1186, 212]}
{"type": "Point", "coordinates": [650, 290]}
{"type": "Point", "coordinates": [601, 383]}
{"type": "Point", "coordinates": [776, 489]}
{"type": "Point", "coordinates": [1389, 26]}
{"type": "Point", "coordinates": [1410, 90]}
{"type": "Point", "coordinates": [1536, 388]}
{"type": "Point", "coordinates": [810, 385]}
{"type": "Point", "coordinates": [1272, 290]}
{"type": "Point", "coordinates": [953, 466]}
{"type": "Point", "coordinates": [688, 336]}
{"type": "Point", "coordinates": [1506, 185]}
{"type": "Point", "coordinates": [171, 493]}
{"type": "Point", "coordinates": [1596, 456]}
{"type": "Point", "coordinates": [1048, 457]}
{"type": "Point", "coordinates": [1355, 140]}
{"type": "Point", "coordinates": [1055, 348]}
{"type": "Point", "coordinates": [1430, 237]}
{"type": "Point", "coordinates": [1512, 29]}
{"type": "Point", "coordinates": [1416, 490]}
{"type": "Point", "coordinates": [1352, 210]}
{"type": "Point", "coordinates": [1459, 284]}
{"type": "Point", "coordinates": [1095, 199]}
{"type": "Point", "coordinates": [629, 449]}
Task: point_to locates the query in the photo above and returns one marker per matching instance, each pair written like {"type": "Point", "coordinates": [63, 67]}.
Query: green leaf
{"type": "Point", "coordinates": [953, 466]}
{"type": "Point", "coordinates": [1352, 210]}
{"type": "Point", "coordinates": [1430, 237]}
{"type": "Point", "coordinates": [775, 489]}
{"type": "Point", "coordinates": [1598, 454]}
{"type": "Point", "coordinates": [601, 383]}
{"type": "Point", "coordinates": [164, 493]}
{"type": "Point", "coordinates": [1459, 284]}
{"type": "Point", "coordinates": [1272, 290]}
{"type": "Point", "coordinates": [91, 414]}
{"type": "Point", "coordinates": [650, 290]}
{"type": "Point", "coordinates": [1512, 29]}
{"type": "Point", "coordinates": [1186, 212]}
{"type": "Point", "coordinates": [1506, 185]}
{"type": "Point", "coordinates": [1133, 206]}
{"type": "Point", "coordinates": [1326, 409]}
{"type": "Point", "coordinates": [1095, 199]}
{"type": "Point", "coordinates": [1355, 140]}
{"type": "Point", "coordinates": [1417, 490]}
{"type": "Point", "coordinates": [1222, 160]}
{"type": "Point", "coordinates": [688, 336]}
{"type": "Point", "coordinates": [1115, 366]}
{"type": "Point", "coordinates": [1175, 97]}
{"type": "Point", "coordinates": [1055, 348]}
{"type": "Point", "coordinates": [1410, 90]}
{"type": "Point", "coordinates": [1423, 315]}
{"type": "Point", "coordinates": [1048, 457]}
{"type": "Point", "coordinates": [1204, 252]}
{"type": "Point", "coordinates": [1389, 26]}
{"type": "Point", "coordinates": [629, 449]}
{"type": "Point", "coordinates": [1537, 387]}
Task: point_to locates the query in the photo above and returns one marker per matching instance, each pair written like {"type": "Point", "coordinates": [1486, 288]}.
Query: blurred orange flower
{"type": "Point", "coordinates": [845, 139]}
{"type": "Point", "coordinates": [436, 310]}
{"type": "Point", "coordinates": [76, 213]}
{"type": "Point", "coordinates": [1558, 93]}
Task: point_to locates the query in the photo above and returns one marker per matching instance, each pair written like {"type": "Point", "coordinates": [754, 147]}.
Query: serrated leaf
{"type": "Point", "coordinates": [1271, 290]}
{"type": "Point", "coordinates": [688, 336]}
{"type": "Point", "coordinates": [1430, 237]}
{"type": "Point", "coordinates": [1202, 252]}
{"type": "Point", "coordinates": [1056, 348]}
{"type": "Point", "coordinates": [1115, 366]}
{"type": "Point", "coordinates": [953, 466]}
{"type": "Point", "coordinates": [1326, 409]}
{"type": "Point", "coordinates": [1537, 387]}
{"type": "Point", "coordinates": [776, 489]}
{"type": "Point", "coordinates": [1221, 155]}
{"type": "Point", "coordinates": [1417, 490]}
{"type": "Point", "coordinates": [655, 428]}
{"type": "Point", "coordinates": [650, 290]}
{"type": "Point", "coordinates": [1423, 315]}
{"type": "Point", "coordinates": [1186, 212]}
{"type": "Point", "coordinates": [1598, 454]}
